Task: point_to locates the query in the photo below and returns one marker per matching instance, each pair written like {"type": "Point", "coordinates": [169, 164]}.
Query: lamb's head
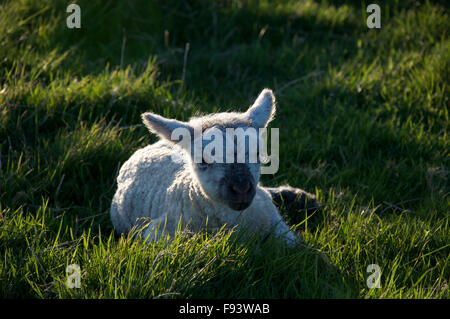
{"type": "Point", "coordinates": [223, 148]}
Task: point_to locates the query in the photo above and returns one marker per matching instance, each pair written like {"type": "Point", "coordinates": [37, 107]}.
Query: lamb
{"type": "Point", "coordinates": [163, 182]}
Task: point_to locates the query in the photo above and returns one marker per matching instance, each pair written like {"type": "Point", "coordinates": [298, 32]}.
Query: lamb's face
{"type": "Point", "coordinates": [230, 184]}
{"type": "Point", "coordinates": [228, 172]}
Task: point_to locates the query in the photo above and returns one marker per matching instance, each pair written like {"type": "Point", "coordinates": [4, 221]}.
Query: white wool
{"type": "Point", "coordinates": [155, 184]}
{"type": "Point", "coordinates": [152, 185]}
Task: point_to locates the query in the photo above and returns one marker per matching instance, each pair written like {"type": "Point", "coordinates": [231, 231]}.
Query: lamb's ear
{"type": "Point", "coordinates": [263, 109]}
{"type": "Point", "coordinates": [164, 127]}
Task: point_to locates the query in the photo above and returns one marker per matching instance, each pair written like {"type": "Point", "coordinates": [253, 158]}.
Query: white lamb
{"type": "Point", "coordinates": [154, 185]}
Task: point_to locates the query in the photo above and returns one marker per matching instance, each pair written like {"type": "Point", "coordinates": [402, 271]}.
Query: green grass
{"type": "Point", "coordinates": [363, 118]}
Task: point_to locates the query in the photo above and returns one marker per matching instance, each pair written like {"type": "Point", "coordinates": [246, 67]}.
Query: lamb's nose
{"type": "Point", "coordinates": [241, 189]}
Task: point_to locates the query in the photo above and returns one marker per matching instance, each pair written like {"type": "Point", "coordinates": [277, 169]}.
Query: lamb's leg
{"type": "Point", "coordinates": [283, 231]}
{"type": "Point", "coordinates": [154, 230]}
{"type": "Point", "coordinates": [292, 198]}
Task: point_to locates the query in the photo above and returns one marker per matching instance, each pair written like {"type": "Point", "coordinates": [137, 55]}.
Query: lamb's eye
{"type": "Point", "coordinates": [257, 156]}
{"type": "Point", "coordinates": [203, 165]}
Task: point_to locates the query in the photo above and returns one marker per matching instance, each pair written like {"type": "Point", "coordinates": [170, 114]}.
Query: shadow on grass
{"type": "Point", "coordinates": [271, 270]}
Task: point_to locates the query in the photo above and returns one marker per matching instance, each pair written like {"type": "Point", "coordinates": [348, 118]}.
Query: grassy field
{"type": "Point", "coordinates": [363, 118]}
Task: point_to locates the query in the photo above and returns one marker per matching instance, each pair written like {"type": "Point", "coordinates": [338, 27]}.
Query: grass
{"type": "Point", "coordinates": [363, 118]}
